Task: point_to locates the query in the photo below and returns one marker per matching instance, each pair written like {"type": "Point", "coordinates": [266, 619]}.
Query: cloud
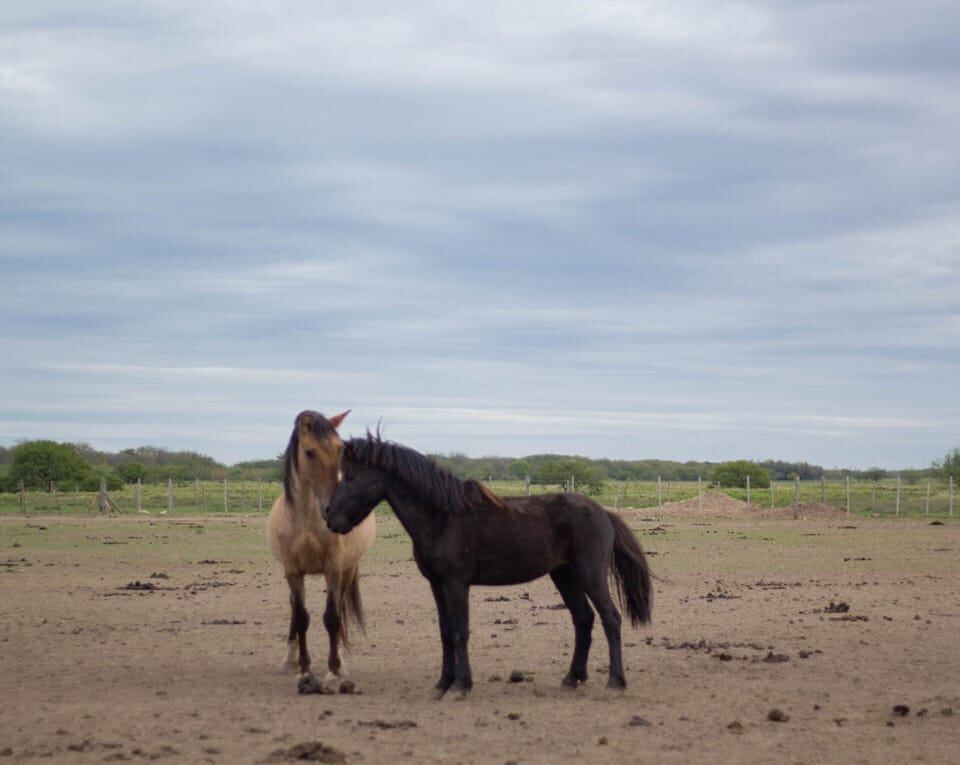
{"type": "Point", "coordinates": [622, 229]}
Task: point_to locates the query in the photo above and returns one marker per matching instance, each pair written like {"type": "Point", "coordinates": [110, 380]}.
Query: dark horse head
{"type": "Point", "coordinates": [371, 466]}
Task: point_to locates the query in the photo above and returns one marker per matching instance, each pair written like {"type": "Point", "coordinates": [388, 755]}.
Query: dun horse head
{"type": "Point", "coordinates": [312, 459]}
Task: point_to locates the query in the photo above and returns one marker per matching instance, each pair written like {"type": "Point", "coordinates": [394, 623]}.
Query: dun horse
{"type": "Point", "coordinates": [463, 535]}
{"type": "Point", "coordinates": [302, 543]}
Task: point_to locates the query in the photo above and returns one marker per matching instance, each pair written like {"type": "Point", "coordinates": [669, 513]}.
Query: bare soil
{"type": "Point", "coordinates": [827, 639]}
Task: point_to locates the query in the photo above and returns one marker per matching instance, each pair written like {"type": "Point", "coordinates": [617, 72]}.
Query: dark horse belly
{"type": "Point", "coordinates": [517, 556]}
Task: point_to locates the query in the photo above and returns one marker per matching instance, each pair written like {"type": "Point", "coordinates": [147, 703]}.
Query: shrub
{"type": "Point", "coordinates": [734, 474]}
{"type": "Point", "coordinates": [37, 463]}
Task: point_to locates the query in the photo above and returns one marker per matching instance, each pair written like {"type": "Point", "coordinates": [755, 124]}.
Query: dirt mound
{"type": "Point", "coordinates": [716, 504]}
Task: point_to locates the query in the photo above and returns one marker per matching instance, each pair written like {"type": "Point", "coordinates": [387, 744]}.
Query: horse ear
{"type": "Point", "coordinates": [338, 418]}
{"type": "Point", "coordinates": [305, 422]}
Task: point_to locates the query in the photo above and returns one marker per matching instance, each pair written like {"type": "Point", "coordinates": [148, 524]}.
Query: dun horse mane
{"type": "Point", "coordinates": [441, 487]}
{"type": "Point", "coordinates": [321, 428]}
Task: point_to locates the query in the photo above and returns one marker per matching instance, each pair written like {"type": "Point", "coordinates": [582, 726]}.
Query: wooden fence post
{"type": "Point", "coordinates": [224, 495]}
{"type": "Point", "coordinates": [659, 494]}
{"type": "Point", "coordinates": [526, 485]}
{"type": "Point", "coordinates": [927, 510]}
{"type": "Point", "coordinates": [573, 484]}
{"type": "Point", "coordinates": [848, 493]}
{"type": "Point", "coordinates": [898, 495]}
{"type": "Point", "coordinates": [771, 494]}
{"type": "Point", "coordinates": [748, 492]}
{"type": "Point", "coordinates": [699, 496]}
{"type": "Point", "coordinates": [23, 499]}
{"type": "Point", "coordinates": [796, 497]}
{"type": "Point", "coordinates": [260, 495]}
{"type": "Point", "coordinates": [823, 494]}
{"type": "Point", "coordinates": [102, 498]}
{"type": "Point", "coordinates": [170, 496]}
{"type": "Point", "coordinates": [138, 497]}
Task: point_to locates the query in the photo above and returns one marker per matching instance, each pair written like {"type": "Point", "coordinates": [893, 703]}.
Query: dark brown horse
{"type": "Point", "coordinates": [463, 535]}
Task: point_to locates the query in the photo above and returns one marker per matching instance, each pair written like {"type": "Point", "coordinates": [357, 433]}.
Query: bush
{"type": "Point", "coordinates": [557, 471]}
{"type": "Point", "coordinates": [131, 472]}
{"type": "Point", "coordinates": [734, 474]}
{"type": "Point", "coordinates": [949, 466]}
{"type": "Point", "coordinates": [37, 463]}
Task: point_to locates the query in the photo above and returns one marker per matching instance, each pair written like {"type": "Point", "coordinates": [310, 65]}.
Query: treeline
{"type": "Point", "coordinates": [544, 469]}
{"type": "Point", "coordinates": [37, 463]}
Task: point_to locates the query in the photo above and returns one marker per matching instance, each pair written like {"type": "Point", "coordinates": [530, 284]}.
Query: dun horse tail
{"type": "Point", "coordinates": [351, 606]}
{"type": "Point", "coordinates": [631, 573]}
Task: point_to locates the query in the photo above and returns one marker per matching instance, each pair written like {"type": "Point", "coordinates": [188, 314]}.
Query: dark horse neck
{"type": "Point", "coordinates": [415, 512]}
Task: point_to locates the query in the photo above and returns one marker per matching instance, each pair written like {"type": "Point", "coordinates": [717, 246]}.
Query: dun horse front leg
{"type": "Point", "coordinates": [300, 622]}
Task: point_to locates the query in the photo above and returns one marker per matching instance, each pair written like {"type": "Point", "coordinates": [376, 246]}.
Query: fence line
{"type": "Point", "coordinates": [912, 498]}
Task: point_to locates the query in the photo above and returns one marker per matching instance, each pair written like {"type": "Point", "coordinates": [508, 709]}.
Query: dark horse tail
{"type": "Point", "coordinates": [350, 606]}
{"type": "Point", "coordinates": [631, 573]}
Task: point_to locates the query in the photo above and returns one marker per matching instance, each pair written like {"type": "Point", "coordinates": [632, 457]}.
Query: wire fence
{"type": "Point", "coordinates": [934, 497]}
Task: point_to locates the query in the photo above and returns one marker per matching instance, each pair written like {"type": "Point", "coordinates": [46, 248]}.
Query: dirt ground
{"type": "Point", "coordinates": [832, 621]}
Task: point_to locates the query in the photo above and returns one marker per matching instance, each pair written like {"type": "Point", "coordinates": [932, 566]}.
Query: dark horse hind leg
{"type": "Point", "coordinates": [575, 600]}
{"type": "Point", "coordinates": [595, 585]}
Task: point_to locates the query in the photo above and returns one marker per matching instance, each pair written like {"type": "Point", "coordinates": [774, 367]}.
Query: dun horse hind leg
{"type": "Point", "coordinates": [332, 620]}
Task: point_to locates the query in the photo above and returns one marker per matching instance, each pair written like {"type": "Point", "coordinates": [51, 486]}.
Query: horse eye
{"type": "Point", "coordinates": [311, 453]}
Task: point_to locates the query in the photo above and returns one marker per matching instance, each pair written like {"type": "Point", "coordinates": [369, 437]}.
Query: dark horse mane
{"type": "Point", "coordinates": [321, 429]}
{"type": "Point", "coordinates": [441, 488]}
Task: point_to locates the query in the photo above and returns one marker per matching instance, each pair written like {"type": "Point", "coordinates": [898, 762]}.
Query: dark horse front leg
{"type": "Point", "coordinates": [457, 601]}
{"type": "Point", "coordinates": [447, 670]}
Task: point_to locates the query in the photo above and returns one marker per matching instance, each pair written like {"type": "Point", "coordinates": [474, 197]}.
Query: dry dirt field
{"type": "Point", "coordinates": [834, 621]}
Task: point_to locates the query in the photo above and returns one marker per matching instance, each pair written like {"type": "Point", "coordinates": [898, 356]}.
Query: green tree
{"type": "Point", "coordinates": [949, 466]}
{"type": "Point", "coordinates": [735, 474]}
{"type": "Point", "coordinates": [131, 472]}
{"type": "Point", "coordinates": [519, 469]}
{"type": "Point", "coordinates": [37, 463]}
{"type": "Point", "coordinates": [558, 471]}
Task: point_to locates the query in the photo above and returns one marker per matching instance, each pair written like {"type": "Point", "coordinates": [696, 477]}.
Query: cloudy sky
{"type": "Point", "coordinates": [685, 230]}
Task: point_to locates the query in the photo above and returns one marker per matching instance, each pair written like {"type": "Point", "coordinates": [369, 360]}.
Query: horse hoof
{"type": "Point", "coordinates": [309, 684]}
{"type": "Point", "coordinates": [438, 693]}
{"type": "Point", "coordinates": [616, 684]}
{"type": "Point", "coordinates": [457, 694]}
{"type": "Point", "coordinates": [571, 682]}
